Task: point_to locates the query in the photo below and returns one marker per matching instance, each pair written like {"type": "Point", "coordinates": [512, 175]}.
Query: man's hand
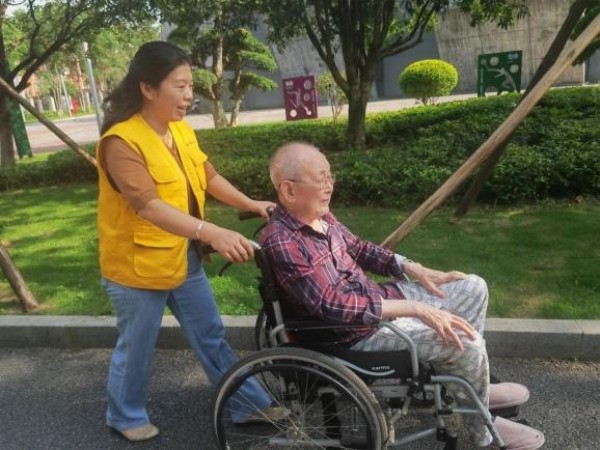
{"type": "Point", "coordinates": [445, 324]}
{"type": "Point", "coordinates": [430, 279]}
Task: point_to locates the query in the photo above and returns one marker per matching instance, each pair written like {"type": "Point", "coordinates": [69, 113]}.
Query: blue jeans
{"type": "Point", "coordinates": [139, 313]}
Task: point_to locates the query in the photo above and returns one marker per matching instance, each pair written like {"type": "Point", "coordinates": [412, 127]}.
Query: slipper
{"type": "Point", "coordinates": [506, 395]}
{"type": "Point", "coordinates": [517, 436]}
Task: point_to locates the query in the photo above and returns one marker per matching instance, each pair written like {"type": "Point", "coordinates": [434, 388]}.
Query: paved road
{"type": "Point", "coordinates": [84, 130]}
{"type": "Point", "coordinates": [54, 399]}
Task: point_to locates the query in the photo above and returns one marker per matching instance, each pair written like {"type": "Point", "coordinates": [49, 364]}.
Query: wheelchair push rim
{"type": "Point", "coordinates": [327, 405]}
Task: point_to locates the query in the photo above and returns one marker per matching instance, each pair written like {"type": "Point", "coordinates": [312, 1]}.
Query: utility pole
{"type": "Point", "coordinates": [92, 82]}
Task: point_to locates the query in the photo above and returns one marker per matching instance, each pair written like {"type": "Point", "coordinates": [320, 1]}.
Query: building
{"type": "Point", "coordinates": [454, 41]}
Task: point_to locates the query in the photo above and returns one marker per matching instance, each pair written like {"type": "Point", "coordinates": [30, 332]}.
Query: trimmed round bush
{"type": "Point", "coordinates": [428, 79]}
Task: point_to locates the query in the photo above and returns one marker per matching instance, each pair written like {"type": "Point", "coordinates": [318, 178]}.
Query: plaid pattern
{"type": "Point", "coordinates": [322, 274]}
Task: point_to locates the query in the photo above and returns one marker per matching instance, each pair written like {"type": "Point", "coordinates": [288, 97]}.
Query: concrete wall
{"type": "Point", "coordinates": [299, 58]}
{"type": "Point", "coordinates": [394, 65]}
{"type": "Point", "coordinates": [593, 68]}
{"type": "Point", "coordinates": [460, 44]}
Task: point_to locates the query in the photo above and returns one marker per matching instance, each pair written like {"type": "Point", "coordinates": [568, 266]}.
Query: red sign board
{"type": "Point", "coordinates": [300, 98]}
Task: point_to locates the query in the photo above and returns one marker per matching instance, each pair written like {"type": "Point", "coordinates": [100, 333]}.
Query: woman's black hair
{"type": "Point", "coordinates": [151, 64]}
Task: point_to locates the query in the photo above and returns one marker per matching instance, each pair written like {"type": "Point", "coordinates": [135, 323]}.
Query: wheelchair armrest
{"type": "Point", "coordinates": [409, 342]}
{"type": "Point", "coordinates": [316, 324]}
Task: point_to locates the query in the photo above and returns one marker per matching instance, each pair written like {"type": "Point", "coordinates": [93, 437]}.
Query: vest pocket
{"type": "Point", "coordinates": [157, 254]}
{"type": "Point", "coordinates": [198, 162]}
{"type": "Point", "coordinates": [171, 185]}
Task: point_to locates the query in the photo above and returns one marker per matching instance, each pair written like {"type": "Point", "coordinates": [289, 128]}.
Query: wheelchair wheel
{"type": "Point", "coordinates": [326, 405]}
{"type": "Point", "coordinates": [261, 330]}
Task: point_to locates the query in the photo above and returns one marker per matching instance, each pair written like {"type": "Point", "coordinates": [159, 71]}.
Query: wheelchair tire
{"type": "Point", "coordinates": [261, 330]}
{"type": "Point", "coordinates": [326, 404]}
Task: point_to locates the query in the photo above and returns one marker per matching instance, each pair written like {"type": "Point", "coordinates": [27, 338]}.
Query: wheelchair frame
{"type": "Point", "coordinates": [376, 389]}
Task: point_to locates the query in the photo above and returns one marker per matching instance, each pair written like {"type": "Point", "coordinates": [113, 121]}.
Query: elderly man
{"type": "Point", "coordinates": [320, 266]}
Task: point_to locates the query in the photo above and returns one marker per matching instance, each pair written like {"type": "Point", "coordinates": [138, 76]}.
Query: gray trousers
{"type": "Point", "coordinates": [467, 298]}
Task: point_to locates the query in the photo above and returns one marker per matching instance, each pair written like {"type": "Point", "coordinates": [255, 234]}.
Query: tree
{"type": "Point", "coordinates": [218, 35]}
{"type": "Point", "coordinates": [366, 32]}
{"type": "Point", "coordinates": [46, 27]}
{"type": "Point", "coordinates": [112, 49]}
{"type": "Point", "coordinates": [244, 52]}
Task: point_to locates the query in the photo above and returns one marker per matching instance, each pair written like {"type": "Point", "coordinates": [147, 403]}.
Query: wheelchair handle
{"type": "Point", "coordinates": [207, 249]}
{"type": "Point", "coordinates": [247, 215]}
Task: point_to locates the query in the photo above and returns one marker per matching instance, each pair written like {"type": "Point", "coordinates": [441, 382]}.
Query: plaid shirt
{"type": "Point", "coordinates": [322, 274]}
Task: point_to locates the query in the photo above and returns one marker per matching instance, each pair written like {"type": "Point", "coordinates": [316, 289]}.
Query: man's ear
{"type": "Point", "coordinates": [287, 192]}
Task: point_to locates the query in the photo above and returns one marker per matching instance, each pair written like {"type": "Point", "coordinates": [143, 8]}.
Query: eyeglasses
{"type": "Point", "coordinates": [322, 182]}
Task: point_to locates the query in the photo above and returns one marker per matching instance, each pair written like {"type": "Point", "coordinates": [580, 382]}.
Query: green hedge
{"type": "Point", "coordinates": [555, 152]}
{"type": "Point", "coordinates": [64, 167]}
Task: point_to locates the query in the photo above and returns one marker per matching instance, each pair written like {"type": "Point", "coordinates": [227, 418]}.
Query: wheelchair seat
{"type": "Point", "coordinates": [369, 365]}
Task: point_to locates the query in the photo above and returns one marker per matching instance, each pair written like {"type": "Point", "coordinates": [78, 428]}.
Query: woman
{"type": "Point", "coordinates": [152, 183]}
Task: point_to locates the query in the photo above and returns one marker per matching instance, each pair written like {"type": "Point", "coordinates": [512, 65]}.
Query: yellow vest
{"type": "Point", "coordinates": [133, 251]}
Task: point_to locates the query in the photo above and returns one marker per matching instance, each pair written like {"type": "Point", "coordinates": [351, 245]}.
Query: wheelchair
{"type": "Point", "coordinates": [335, 398]}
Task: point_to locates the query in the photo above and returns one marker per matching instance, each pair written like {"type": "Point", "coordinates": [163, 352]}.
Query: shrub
{"type": "Point", "coordinates": [329, 89]}
{"type": "Point", "coordinates": [428, 79]}
{"type": "Point", "coordinates": [63, 167]}
{"type": "Point", "coordinates": [554, 153]}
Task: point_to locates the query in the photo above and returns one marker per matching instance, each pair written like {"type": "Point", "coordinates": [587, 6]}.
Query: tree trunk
{"type": "Point", "coordinates": [218, 113]}
{"type": "Point", "coordinates": [506, 129]}
{"type": "Point", "coordinates": [235, 112]}
{"type": "Point", "coordinates": [557, 46]}
{"type": "Point", "coordinates": [357, 111]}
{"type": "Point", "coordinates": [16, 281]}
{"type": "Point", "coordinates": [7, 149]}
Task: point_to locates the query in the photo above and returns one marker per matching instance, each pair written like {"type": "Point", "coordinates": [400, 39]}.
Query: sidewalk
{"type": "Point", "coordinates": [512, 338]}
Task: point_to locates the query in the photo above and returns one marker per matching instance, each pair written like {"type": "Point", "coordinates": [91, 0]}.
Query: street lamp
{"type": "Point", "coordinates": [92, 82]}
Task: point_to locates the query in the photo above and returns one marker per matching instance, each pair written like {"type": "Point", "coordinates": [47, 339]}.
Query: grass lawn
{"type": "Point", "coordinates": [539, 261]}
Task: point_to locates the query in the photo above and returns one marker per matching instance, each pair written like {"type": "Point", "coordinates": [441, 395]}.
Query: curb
{"type": "Point", "coordinates": [509, 338]}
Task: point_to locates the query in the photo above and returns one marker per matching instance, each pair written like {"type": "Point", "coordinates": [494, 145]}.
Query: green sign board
{"type": "Point", "coordinates": [19, 132]}
{"type": "Point", "coordinates": [499, 71]}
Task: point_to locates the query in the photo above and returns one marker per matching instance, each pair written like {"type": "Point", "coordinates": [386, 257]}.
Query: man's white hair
{"type": "Point", "coordinates": [289, 161]}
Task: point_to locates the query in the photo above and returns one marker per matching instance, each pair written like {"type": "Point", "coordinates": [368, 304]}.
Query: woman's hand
{"type": "Point", "coordinates": [232, 245]}
{"type": "Point", "coordinates": [430, 279]}
{"type": "Point", "coordinates": [261, 208]}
